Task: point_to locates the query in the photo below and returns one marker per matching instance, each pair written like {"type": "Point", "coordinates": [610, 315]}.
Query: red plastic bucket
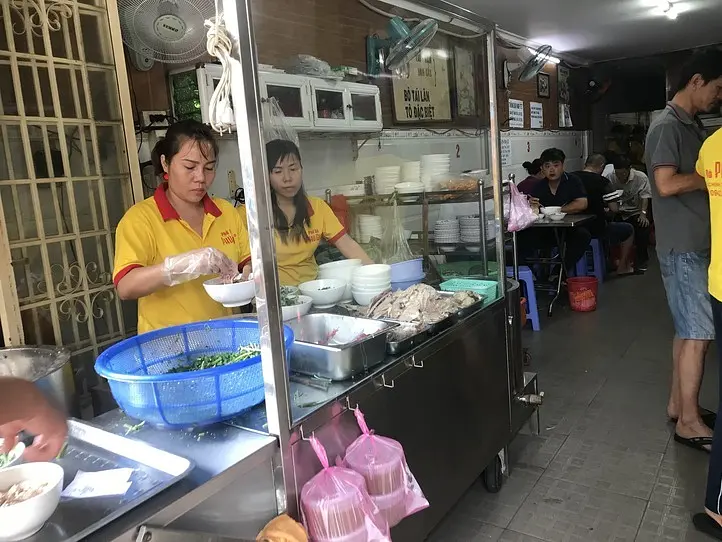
{"type": "Point", "coordinates": [582, 293]}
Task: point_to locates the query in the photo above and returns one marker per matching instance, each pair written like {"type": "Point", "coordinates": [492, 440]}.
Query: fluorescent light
{"type": "Point", "coordinates": [442, 53]}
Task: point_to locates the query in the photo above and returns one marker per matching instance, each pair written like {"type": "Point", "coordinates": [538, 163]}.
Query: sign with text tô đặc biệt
{"type": "Point", "coordinates": [423, 94]}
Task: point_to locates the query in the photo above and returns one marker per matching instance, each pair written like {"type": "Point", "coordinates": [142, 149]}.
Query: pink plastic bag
{"type": "Point", "coordinates": [337, 508]}
{"type": "Point", "coordinates": [521, 215]}
{"type": "Point", "coordinates": [382, 463]}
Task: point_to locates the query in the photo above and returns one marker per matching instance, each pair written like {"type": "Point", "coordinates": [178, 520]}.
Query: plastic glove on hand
{"type": "Point", "coordinates": [196, 263]}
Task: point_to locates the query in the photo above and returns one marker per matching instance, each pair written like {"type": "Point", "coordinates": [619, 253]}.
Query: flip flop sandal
{"type": "Point", "coordinates": [697, 443]}
{"type": "Point", "coordinates": [707, 525]}
{"type": "Point", "coordinates": [709, 418]}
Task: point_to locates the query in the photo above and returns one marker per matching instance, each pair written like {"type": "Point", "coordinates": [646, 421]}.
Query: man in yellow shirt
{"type": "Point", "coordinates": [167, 245]}
{"type": "Point", "coordinates": [709, 166]}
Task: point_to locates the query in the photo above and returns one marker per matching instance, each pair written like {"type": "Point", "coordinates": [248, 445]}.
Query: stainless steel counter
{"type": "Point", "coordinates": [229, 491]}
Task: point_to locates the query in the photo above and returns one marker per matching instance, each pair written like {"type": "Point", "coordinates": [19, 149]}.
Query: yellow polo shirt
{"type": "Point", "coordinates": [296, 263]}
{"type": "Point", "coordinates": [709, 165]}
{"type": "Point", "coordinates": [151, 230]}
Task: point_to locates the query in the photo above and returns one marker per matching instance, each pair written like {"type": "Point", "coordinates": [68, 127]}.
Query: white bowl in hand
{"type": "Point", "coordinates": [551, 210]}
{"type": "Point", "coordinates": [234, 294]}
{"type": "Point", "coordinates": [24, 519]}
{"type": "Point", "coordinates": [324, 292]}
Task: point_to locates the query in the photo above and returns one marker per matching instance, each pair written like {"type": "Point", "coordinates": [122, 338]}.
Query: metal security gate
{"type": "Point", "coordinates": [65, 178]}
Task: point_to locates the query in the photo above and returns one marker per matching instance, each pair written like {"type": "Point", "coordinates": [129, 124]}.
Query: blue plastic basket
{"type": "Point", "coordinates": [487, 288]}
{"type": "Point", "coordinates": [136, 369]}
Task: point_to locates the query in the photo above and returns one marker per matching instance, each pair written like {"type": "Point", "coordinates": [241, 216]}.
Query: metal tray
{"type": "Point", "coordinates": [399, 347]}
{"type": "Point", "coordinates": [91, 449]}
{"type": "Point", "coordinates": [337, 347]}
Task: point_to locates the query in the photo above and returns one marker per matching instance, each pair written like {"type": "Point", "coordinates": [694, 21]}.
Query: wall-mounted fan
{"type": "Point", "coordinates": [529, 67]}
{"type": "Point", "coordinates": [402, 45]}
{"type": "Point", "coordinates": [169, 31]}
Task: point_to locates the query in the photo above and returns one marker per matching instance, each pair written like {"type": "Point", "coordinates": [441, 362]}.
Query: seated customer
{"type": "Point", "coordinates": [564, 190]}
{"type": "Point", "coordinates": [634, 205]}
{"type": "Point", "coordinates": [534, 169]}
{"type": "Point", "coordinates": [616, 233]}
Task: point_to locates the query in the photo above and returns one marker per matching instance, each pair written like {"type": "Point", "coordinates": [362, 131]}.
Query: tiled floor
{"type": "Point", "coordinates": [604, 467]}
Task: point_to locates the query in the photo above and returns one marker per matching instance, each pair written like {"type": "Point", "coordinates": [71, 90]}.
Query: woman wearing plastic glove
{"type": "Point", "coordinates": [300, 221]}
{"type": "Point", "coordinates": [167, 245]}
{"type": "Point", "coordinates": [23, 408]}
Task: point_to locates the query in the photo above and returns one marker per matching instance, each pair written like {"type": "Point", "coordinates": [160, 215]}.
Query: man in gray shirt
{"type": "Point", "coordinates": [681, 212]}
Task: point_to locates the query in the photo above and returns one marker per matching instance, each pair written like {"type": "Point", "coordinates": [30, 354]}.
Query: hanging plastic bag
{"type": "Point", "coordinates": [394, 247]}
{"type": "Point", "coordinates": [521, 215]}
{"type": "Point", "coordinates": [382, 463]}
{"type": "Point", "coordinates": [337, 508]}
{"type": "Point", "coordinates": [275, 125]}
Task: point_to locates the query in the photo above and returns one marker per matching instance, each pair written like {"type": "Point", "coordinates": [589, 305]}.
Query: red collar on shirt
{"type": "Point", "coordinates": [168, 212]}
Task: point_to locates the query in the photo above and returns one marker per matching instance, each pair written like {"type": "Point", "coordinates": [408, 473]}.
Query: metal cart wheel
{"type": "Point", "coordinates": [493, 477]}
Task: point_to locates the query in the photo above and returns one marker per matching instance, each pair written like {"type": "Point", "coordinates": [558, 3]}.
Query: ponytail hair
{"type": "Point", "coordinates": [534, 167]}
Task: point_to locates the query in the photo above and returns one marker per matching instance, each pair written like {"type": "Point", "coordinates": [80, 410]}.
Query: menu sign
{"type": "Point", "coordinates": [516, 114]}
{"type": "Point", "coordinates": [422, 94]}
{"type": "Point", "coordinates": [536, 115]}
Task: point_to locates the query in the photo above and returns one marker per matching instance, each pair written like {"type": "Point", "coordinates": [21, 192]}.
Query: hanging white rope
{"type": "Point", "coordinates": [219, 45]}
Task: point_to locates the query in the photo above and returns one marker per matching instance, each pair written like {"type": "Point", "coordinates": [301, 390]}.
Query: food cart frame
{"type": "Point", "coordinates": [454, 402]}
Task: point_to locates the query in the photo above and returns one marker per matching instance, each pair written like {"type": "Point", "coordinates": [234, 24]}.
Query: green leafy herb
{"type": "Point", "coordinates": [289, 296]}
{"type": "Point", "coordinates": [210, 361]}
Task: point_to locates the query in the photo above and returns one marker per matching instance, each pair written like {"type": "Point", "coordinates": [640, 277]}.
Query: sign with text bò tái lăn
{"type": "Point", "coordinates": [423, 94]}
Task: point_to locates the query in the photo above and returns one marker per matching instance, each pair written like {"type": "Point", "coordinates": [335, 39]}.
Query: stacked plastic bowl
{"type": "Point", "coordinates": [447, 234]}
{"type": "Point", "coordinates": [369, 281]}
{"type": "Point", "coordinates": [342, 270]}
{"type": "Point", "coordinates": [369, 226]}
{"type": "Point", "coordinates": [433, 166]}
{"type": "Point", "coordinates": [386, 178]}
{"type": "Point", "coordinates": [470, 234]}
{"type": "Point", "coordinates": [405, 274]}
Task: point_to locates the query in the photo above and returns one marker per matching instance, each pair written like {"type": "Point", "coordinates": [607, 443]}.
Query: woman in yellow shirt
{"type": "Point", "coordinates": [168, 244]}
{"type": "Point", "coordinates": [300, 221]}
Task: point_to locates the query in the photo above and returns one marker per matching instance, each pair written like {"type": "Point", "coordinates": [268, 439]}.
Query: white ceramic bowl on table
{"type": "Point", "coordinates": [370, 283]}
{"type": "Point", "coordinates": [236, 294]}
{"type": "Point", "coordinates": [342, 270]}
{"type": "Point", "coordinates": [325, 293]}
{"type": "Point", "coordinates": [365, 298]}
{"type": "Point", "coordinates": [374, 271]}
{"type": "Point", "coordinates": [24, 519]}
{"type": "Point", "coordinates": [300, 309]}
{"type": "Point", "coordinates": [552, 210]}
{"type": "Point", "coordinates": [557, 216]}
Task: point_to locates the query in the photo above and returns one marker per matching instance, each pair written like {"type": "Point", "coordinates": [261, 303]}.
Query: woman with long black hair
{"type": "Point", "coordinates": [300, 221]}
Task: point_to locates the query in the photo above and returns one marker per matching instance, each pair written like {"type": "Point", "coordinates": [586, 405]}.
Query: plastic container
{"type": "Point", "coordinates": [407, 270]}
{"type": "Point", "coordinates": [583, 293]}
{"type": "Point", "coordinates": [395, 286]}
{"type": "Point", "coordinates": [137, 371]}
{"type": "Point", "coordinates": [392, 506]}
{"type": "Point", "coordinates": [486, 288]}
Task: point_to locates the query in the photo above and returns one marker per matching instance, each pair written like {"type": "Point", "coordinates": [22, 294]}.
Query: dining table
{"type": "Point", "coordinates": [560, 228]}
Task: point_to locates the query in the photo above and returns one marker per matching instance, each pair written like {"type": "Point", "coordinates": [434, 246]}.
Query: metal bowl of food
{"type": "Point", "coordinates": [46, 366]}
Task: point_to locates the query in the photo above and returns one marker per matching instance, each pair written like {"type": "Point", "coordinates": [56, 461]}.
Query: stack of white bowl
{"type": "Point", "coordinates": [470, 233]}
{"type": "Point", "coordinates": [433, 166]}
{"type": "Point", "coordinates": [369, 226]}
{"type": "Point", "coordinates": [410, 172]}
{"type": "Point", "coordinates": [342, 270]}
{"type": "Point", "coordinates": [369, 281]}
{"type": "Point", "coordinates": [447, 234]}
{"type": "Point", "coordinates": [385, 178]}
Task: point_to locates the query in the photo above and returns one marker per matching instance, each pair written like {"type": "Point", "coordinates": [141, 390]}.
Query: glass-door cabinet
{"type": "Point", "coordinates": [329, 104]}
{"type": "Point", "coordinates": [365, 106]}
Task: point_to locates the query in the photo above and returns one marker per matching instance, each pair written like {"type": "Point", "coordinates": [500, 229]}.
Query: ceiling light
{"type": "Point", "coordinates": [672, 12]}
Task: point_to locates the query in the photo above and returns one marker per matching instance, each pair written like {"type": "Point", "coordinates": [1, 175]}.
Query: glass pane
{"type": "Point", "coordinates": [12, 156]}
{"type": "Point", "coordinates": [7, 91]}
{"type": "Point", "coordinates": [29, 274]}
{"type": "Point", "coordinates": [98, 264]}
{"type": "Point", "coordinates": [95, 38]}
{"type": "Point", "coordinates": [64, 41]}
{"type": "Point", "coordinates": [38, 325]}
{"type": "Point", "coordinates": [70, 89]}
{"type": "Point", "coordinates": [364, 107]}
{"type": "Point", "coordinates": [104, 95]}
{"type": "Point", "coordinates": [289, 99]}
{"type": "Point", "coordinates": [329, 104]}
{"type": "Point", "coordinates": [55, 208]}
{"type": "Point", "coordinates": [30, 98]}
{"type": "Point", "coordinates": [111, 141]}
{"type": "Point", "coordinates": [87, 202]}
{"type": "Point", "coordinates": [19, 212]}
{"type": "Point", "coordinates": [119, 198]}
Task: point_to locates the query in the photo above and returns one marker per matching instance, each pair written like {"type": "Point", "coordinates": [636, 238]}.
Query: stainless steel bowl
{"type": "Point", "coordinates": [46, 366]}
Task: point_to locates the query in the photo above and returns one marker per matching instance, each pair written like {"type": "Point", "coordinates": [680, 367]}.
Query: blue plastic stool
{"type": "Point", "coordinates": [598, 262]}
{"type": "Point", "coordinates": [527, 279]}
